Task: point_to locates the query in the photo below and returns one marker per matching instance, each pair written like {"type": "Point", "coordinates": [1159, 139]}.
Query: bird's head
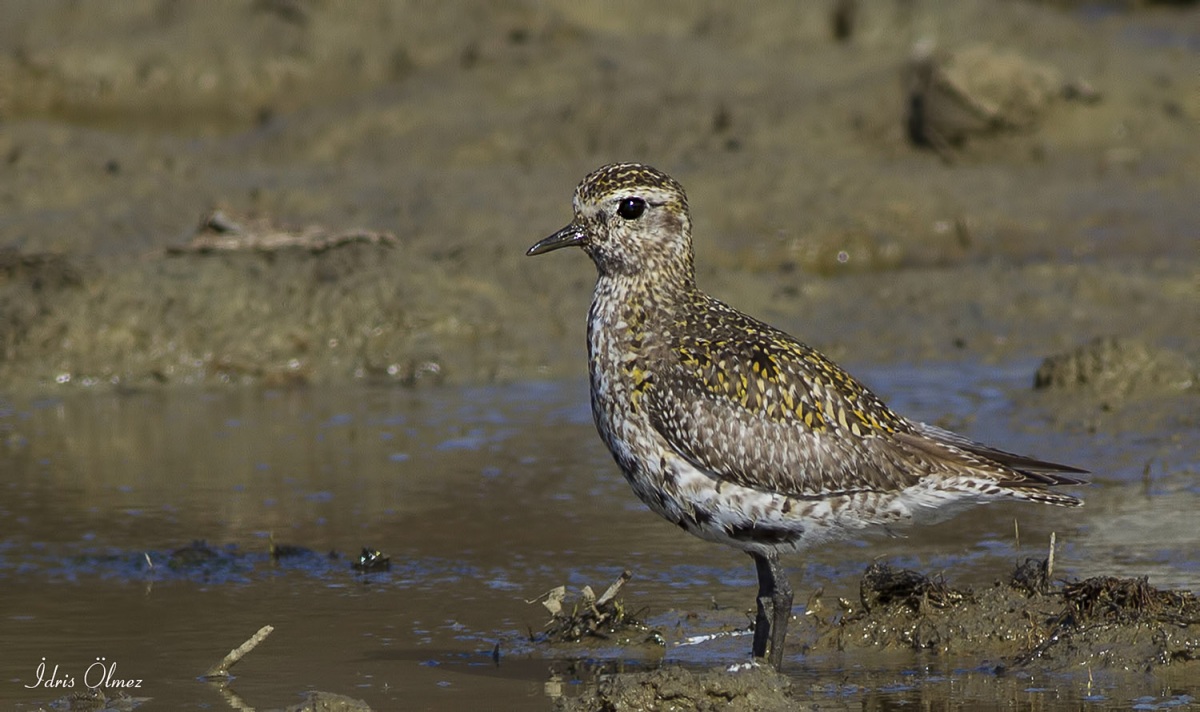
{"type": "Point", "coordinates": [632, 220]}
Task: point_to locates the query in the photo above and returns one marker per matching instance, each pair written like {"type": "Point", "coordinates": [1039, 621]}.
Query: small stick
{"type": "Point", "coordinates": [221, 669]}
{"type": "Point", "coordinates": [1050, 559]}
{"type": "Point", "coordinates": [612, 590]}
{"type": "Point", "coordinates": [1017, 534]}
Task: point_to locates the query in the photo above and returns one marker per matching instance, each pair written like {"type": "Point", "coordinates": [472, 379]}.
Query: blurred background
{"type": "Point", "coordinates": [262, 281]}
{"type": "Point", "coordinates": [1025, 171]}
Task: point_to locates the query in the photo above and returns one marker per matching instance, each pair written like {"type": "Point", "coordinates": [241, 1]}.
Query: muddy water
{"type": "Point", "coordinates": [484, 498]}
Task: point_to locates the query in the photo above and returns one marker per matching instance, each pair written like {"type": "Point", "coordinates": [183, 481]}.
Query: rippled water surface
{"type": "Point", "coordinates": [484, 499]}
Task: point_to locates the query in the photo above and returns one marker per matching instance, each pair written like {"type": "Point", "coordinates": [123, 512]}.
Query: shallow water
{"type": "Point", "coordinates": [485, 498]}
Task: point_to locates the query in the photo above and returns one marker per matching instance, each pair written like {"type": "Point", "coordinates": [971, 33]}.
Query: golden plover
{"type": "Point", "coordinates": [739, 433]}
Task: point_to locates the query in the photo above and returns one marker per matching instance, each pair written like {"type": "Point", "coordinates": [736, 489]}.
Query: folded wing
{"type": "Point", "coordinates": [753, 406]}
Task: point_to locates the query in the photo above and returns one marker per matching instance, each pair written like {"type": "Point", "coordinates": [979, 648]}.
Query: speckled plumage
{"type": "Point", "coordinates": [734, 430]}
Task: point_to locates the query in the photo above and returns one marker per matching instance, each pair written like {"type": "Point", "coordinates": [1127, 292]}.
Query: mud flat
{"type": "Point", "coordinates": [1056, 206]}
{"type": "Point", "coordinates": [1027, 625]}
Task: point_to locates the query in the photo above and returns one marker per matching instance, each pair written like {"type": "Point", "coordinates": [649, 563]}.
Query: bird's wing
{"type": "Point", "coordinates": [993, 470]}
{"type": "Point", "coordinates": [1032, 470]}
{"type": "Point", "coordinates": [752, 405]}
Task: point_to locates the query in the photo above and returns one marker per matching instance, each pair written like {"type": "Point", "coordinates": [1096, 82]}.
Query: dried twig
{"type": "Point", "coordinates": [1050, 558]}
{"type": "Point", "coordinates": [612, 590]}
{"type": "Point", "coordinates": [221, 669]}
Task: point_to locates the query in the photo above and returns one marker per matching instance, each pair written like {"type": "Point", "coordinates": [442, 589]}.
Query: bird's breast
{"type": "Point", "coordinates": [619, 341]}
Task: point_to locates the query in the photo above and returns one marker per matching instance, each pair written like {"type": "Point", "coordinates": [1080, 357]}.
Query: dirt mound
{"type": "Point", "coordinates": [1117, 367]}
{"type": "Point", "coordinates": [1025, 621]}
{"type": "Point", "coordinates": [674, 688]}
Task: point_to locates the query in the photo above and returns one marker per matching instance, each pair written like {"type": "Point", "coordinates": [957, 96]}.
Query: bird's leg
{"type": "Point", "coordinates": [782, 599]}
{"type": "Point", "coordinates": [774, 608]}
{"type": "Point", "coordinates": [766, 605]}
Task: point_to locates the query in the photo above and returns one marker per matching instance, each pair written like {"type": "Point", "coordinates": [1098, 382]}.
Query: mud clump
{"type": "Point", "coordinates": [329, 702]}
{"type": "Point", "coordinates": [1120, 623]}
{"type": "Point", "coordinates": [1111, 366]}
{"type": "Point", "coordinates": [1032, 577]}
{"type": "Point", "coordinates": [979, 90]}
{"type": "Point", "coordinates": [1105, 599]}
{"type": "Point", "coordinates": [909, 609]}
{"type": "Point", "coordinates": [884, 586]}
{"type": "Point", "coordinates": [1024, 621]}
{"type": "Point", "coordinates": [97, 700]}
{"type": "Point", "coordinates": [675, 688]}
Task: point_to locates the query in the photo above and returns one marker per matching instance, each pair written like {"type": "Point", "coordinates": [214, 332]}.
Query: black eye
{"type": "Point", "coordinates": [631, 208]}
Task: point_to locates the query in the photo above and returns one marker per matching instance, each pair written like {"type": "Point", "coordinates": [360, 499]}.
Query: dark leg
{"type": "Point", "coordinates": [774, 609]}
{"type": "Point", "coordinates": [783, 612]}
{"type": "Point", "coordinates": [766, 605]}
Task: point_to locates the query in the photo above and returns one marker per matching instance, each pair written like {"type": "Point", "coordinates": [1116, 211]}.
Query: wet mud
{"type": "Point", "coordinates": [1102, 622]}
{"type": "Point", "coordinates": [263, 289]}
{"type": "Point", "coordinates": [1026, 623]}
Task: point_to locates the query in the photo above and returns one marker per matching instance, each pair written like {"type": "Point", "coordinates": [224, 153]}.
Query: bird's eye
{"type": "Point", "coordinates": [631, 208]}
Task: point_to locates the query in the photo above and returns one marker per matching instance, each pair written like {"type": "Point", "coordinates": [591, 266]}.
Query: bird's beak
{"type": "Point", "coordinates": [570, 235]}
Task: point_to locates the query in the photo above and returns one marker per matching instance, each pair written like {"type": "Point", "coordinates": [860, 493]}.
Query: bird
{"type": "Point", "coordinates": [739, 433]}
